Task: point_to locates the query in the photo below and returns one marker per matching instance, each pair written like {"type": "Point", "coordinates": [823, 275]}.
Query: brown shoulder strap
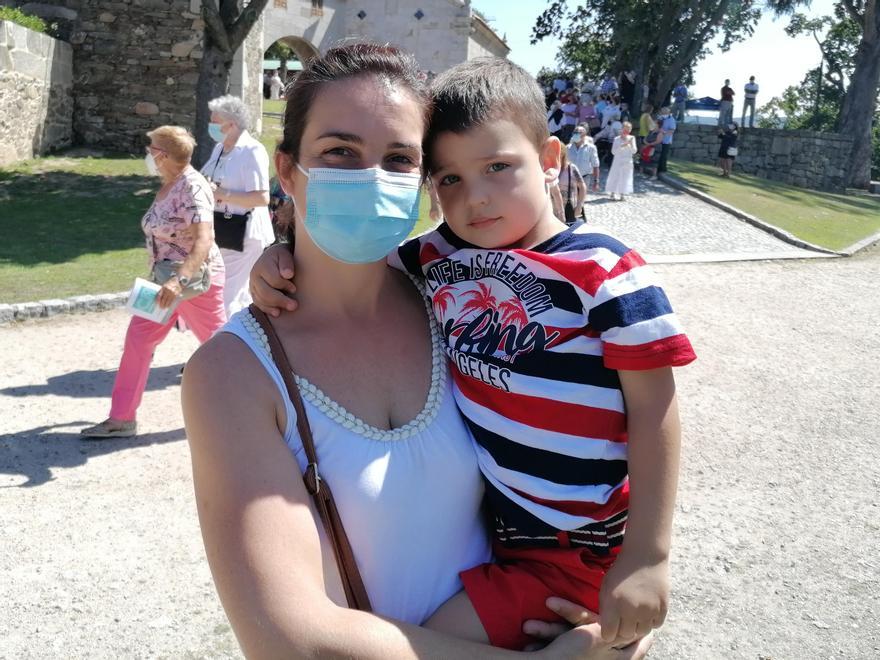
{"type": "Point", "coordinates": [355, 592]}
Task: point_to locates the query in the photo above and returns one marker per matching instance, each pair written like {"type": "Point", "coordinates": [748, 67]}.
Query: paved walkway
{"type": "Point", "coordinates": [662, 222]}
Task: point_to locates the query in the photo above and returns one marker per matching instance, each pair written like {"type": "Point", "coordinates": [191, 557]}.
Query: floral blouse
{"type": "Point", "coordinates": [166, 223]}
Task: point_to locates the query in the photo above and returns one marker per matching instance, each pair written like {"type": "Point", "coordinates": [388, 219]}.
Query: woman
{"type": "Point", "coordinates": [571, 186]}
{"type": "Point", "coordinates": [239, 172]}
{"type": "Point", "coordinates": [620, 177]}
{"type": "Point", "coordinates": [394, 448]}
{"type": "Point", "coordinates": [179, 227]}
{"type": "Point", "coordinates": [728, 150]}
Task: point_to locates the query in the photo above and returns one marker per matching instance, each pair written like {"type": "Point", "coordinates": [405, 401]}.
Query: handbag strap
{"type": "Point", "coordinates": [355, 592]}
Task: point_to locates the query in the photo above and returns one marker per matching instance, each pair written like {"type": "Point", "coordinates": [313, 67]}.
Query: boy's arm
{"type": "Point", "coordinates": [634, 595]}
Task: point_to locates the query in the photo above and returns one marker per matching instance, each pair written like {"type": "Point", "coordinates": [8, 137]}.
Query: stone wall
{"type": "Point", "coordinates": [135, 68]}
{"type": "Point", "coordinates": [36, 101]}
{"type": "Point", "coordinates": [802, 158]}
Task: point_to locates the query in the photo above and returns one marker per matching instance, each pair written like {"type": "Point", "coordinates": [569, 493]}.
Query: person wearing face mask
{"type": "Point", "coordinates": [583, 154]}
{"type": "Point", "coordinates": [179, 234]}
{"type": "Point", "coordinates": [375, 399]}
{"type": "Point", "coordinates": [238, 169]}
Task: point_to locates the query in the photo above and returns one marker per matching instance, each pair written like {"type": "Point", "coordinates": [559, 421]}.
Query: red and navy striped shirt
{"type": "Point", "coordinates": [536, 338]}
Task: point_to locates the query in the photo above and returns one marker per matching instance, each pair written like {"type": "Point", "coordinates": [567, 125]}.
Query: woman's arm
{"type": "Point", "coordinates": [253, 163]}
{"type": "Point", "coordinates": [259, 531]}
{"type": "Point", "coordinates": [244, 199]}
{"type": "Point", "coordinates": [204, 237]}
{"type": "Point", "coordinates": [203, 233]}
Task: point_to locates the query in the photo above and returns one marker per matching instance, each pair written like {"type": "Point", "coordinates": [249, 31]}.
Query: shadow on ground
{"type": "Point", "coordinates": [34, 453]}
{"type": "Point", "coordinates": [56, 216]}
{"type": "Point", "coordinates": [97, 383]}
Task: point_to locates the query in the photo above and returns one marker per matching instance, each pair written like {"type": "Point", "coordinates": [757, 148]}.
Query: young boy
{"type": "Point", "coordinates": [561, 346]}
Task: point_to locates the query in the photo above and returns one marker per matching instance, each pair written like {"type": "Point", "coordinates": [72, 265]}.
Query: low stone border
{"type": "Point", "coordinates": [781, 234]}
{"type": "Point", "coordinates": [45, 308]}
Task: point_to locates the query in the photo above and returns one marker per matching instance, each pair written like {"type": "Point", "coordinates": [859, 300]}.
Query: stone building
{"type": "Point", "coordinates": [136, 62]}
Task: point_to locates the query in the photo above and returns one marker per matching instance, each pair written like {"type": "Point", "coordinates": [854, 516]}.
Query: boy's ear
{"type": "Point", "coordinates": [550, 155]}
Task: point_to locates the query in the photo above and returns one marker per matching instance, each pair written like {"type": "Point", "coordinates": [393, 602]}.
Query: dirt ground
{"type": "Point", "coordinates": [778, 521]}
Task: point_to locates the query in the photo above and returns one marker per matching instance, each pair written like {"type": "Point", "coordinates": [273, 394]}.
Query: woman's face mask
{"type": "Point", "coordinates": [150, 162]}
{"type": "Point", "coordinates": [359, 216]}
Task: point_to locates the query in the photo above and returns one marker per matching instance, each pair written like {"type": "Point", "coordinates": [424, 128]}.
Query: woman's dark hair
{"type": "Point", "coordinates": [398, 69]}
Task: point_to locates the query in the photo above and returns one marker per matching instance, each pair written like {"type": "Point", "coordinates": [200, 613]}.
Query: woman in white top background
{"type": "Point", "coordinates": [239, 171]}
{"type": "Point", "coordinates": [620, 176]}
{"type": "Point", "coordinates": [370, 364]}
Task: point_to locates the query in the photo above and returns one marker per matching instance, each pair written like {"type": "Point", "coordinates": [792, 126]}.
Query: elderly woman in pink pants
{"type": "Point", "coordinates": [179, 227]}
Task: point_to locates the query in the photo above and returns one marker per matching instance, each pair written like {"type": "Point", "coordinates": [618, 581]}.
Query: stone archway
{"type": "Point", "coordinates": [302, 47]}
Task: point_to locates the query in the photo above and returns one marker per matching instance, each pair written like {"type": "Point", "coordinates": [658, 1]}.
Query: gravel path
{"type": "Point", "coordinates": [776, 534]}
{"type": "Point", "coordinates": [659, 220]}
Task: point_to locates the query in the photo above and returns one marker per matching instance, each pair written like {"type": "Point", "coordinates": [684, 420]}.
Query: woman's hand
{"type": "Point", "coordinates": [271, 277]}
{"type": "Point", "coordinates": [585, 640]}
{"type": "Point", "coordinates": [169, 293]}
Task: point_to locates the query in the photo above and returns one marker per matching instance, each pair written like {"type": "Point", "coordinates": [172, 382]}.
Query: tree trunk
{"type": "Point", "coordinates": [858, 109]}
{"type": "Point", "coordinates": [213, 82]}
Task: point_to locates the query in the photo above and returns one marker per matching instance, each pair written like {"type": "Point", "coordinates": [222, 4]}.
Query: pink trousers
{"type": "Point", "coordinates": [204, 315]}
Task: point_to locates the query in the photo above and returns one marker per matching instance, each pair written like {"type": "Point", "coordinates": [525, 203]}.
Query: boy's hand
{"type": "Point", "coordinates": [633, 598]}
{"type": "Point", "coordinates": [271, 278]}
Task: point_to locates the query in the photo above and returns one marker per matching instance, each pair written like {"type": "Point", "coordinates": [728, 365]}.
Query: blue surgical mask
{"type": "Point", "coordinates": [359, 216]}
{"type": "Point", "coordinates": [215, 132]}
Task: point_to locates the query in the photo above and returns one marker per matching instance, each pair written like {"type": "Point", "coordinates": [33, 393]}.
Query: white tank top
{"type": "Point", "coordinates": [409, 498]}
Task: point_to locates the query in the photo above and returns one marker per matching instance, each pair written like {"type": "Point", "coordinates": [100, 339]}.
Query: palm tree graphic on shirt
{"type": "Point", "coordinates": [443, 297]}
{"type": "Point", "coordinates": [513, 312]}
{"type": "Point", "coordinates": [479, 300]}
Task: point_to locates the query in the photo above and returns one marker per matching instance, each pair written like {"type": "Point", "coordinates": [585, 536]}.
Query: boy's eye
{"type": "Point", "coordinates": [498, 167]}
{"type": "Point", "coordinates": [448, 180]}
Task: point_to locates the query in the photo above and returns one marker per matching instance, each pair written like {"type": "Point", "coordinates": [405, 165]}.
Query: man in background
{"type": "Point", "coordinates": [679, 101]}
{"type": "Point", "coordinates": [725, 110]}
{"type": "Point", "coordinates": [751, 94]}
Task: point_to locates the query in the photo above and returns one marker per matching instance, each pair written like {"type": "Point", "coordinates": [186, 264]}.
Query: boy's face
{"type": "Point", "coordinates": [492, 184]}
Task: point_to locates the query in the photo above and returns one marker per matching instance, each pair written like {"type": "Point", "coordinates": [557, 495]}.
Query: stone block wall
{"type": "Point", "coordinates": [36, 100]}
{"type": "Point", "coordinates": [135, 67]}
{"type": "Point", "coordinates": [802, 158]}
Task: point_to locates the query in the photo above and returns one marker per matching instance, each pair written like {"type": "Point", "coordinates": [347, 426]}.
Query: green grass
{"type": "Point", "coordinates": [834, 221]}
{"type": "Point", "coordinates": [273, 106]}
{"type": "Point", "coordinates": [71, 226]}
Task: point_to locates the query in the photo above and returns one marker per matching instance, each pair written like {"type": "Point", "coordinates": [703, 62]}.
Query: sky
{"type": "Point", "coordinates": [775, 59]}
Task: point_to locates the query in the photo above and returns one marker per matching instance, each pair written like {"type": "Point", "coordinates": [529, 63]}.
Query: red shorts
{"type": "Point", "coordinates": [516, 588]}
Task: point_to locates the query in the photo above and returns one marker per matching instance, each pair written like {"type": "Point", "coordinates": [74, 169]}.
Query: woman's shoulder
{"type": "Point", "coordinates": [209, 369]}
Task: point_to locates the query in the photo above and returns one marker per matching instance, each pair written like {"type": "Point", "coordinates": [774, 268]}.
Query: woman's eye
{"type": "Point", "coordinates": [338, 151]}
{"type": "Point", "coordinates": [498, 167]}
{"type": "Point", "coordinates": [401, 158]}
{"type": "Point", "coordinates": [448, 180]}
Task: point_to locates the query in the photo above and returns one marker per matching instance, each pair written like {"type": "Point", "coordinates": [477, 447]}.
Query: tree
{"type": "Point", "coordinates": [227, 25]}
{"type": "Point", "coordinates": [841, 92]}
{"type": "Point", "coordinates": [818, 102]}
{"type": "Point", "coordinates": [660, 40]}
{"type": "Point", "coordinates": [860, 102]}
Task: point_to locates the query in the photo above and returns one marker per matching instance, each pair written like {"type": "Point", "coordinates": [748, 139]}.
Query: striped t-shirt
{"type": "Point", "coordinates": [536, 338]}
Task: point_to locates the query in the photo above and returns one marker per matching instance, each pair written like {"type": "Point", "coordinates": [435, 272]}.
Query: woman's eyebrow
{"type": "Point", "coordinates": [404, 145]}
{"type": "Point", "coordinates": [346, 137]}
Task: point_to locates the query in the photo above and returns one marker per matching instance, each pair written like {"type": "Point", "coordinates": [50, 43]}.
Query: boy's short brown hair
{"type": "Point", "coordinates": [482, 89]}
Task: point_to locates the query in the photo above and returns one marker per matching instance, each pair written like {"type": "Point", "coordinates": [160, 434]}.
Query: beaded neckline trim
{"type": "Point", "coordinates": [343, 417]}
